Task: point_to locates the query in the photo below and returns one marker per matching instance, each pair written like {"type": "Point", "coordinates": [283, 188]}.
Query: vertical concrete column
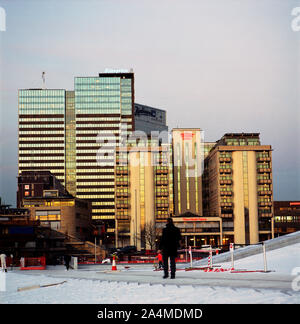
{"type": "Point", "coordinates": [238, 198]}
{"type": "Point", "coordinates": [135, 215]}
{"type": "Point", "coordinates": [149, 193]}
{"type": "Point", "coordinates": [253, 207]}
{"type": "Point", "coordinates": [116, 234]}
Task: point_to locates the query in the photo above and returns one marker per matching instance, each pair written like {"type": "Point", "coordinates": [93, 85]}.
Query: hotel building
{"type": "Point", "coordinates": [143, 193]}
{"type": "Point", "coordinates": [238, 187]}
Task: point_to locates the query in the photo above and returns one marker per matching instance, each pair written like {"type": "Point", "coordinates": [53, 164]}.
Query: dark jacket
{"type": "Point", "coordinates": [170, 239]}
{"type": "Point", "coordinates": [67, 258]}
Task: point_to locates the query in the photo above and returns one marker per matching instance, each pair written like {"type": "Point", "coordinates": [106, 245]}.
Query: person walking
{"type": "Point", "coordinates": [67, 259]}
{"type": "Point", "coordinates": [169, 244]}
{"type": "Point", "coordinates": [3, 262]}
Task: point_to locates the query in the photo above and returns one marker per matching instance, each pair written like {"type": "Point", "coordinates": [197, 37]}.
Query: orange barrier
{"type": "Point", "coordinates": [114, 266]}
{"type": "Point", "coordinates": [34, 264]}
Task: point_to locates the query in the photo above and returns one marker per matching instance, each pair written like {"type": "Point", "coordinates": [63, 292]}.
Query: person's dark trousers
{"type": "Point", "coordinates": [166, 265]}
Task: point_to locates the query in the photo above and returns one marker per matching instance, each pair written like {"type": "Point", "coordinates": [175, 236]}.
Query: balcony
{"type": "Point", "coordinates": [122, 206]}
{"type": "Point", "coordinates": [162, 205]}
{"type": "Point", "coordinates": [265, 214]}
{"type": "Point", "coordinates": [263, 170]}
{"type": "Point", "coordinates": [121, 183]}
{"type": "Point", "coordinates": [226, 215]}
{"type": "Point", "coordinates": [265, 193]}
{"type": "Point", "coordinates": [228, 181]}
{"type": "Point", "coordinates": [121, 171]}
{"type": "Point", "coordinates": [162, 194]}
{"type": "Point", "coordinates": [225, 159]}
{"type": "Point", "coordinates": [226, 204]}
{"type": "Point", "coordinates": [122, 216]}
{"type": "Point", "coordinates": [223, 170]}
{"type": "Point", "coordinates": [264, 181]}
{"type": "Point", "coordinates": [162, 182]}
{"type": "Point", "coordinates": [162, 171]}
{"type": "Point", "coordinates": [122, 194]}
{"type": "Point", "coordinates": [263, 159]}
{"type": "Point", "coordinates": [121, 160]}
{"type": "Point", "coordinates": [226, 193]}
{"type": "Point", "coordinates": [265, 203]}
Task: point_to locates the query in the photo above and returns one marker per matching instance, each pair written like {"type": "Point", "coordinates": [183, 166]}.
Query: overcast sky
{"type": "Point", "coordinates": [222, 66]}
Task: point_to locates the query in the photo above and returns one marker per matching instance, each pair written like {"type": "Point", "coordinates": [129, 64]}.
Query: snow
{"type": "Point", "coordinates": [282, 261]}
{"type": "Point", "coordinates": [92, 285]}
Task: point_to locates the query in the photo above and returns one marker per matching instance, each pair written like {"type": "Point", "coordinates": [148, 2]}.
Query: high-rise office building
{"type": "Point", "coordinates": [104, 107]}
{"type": "Point", "coordinates": [42, 131]}
{"type": "Point", "coordinates": [238, 187]}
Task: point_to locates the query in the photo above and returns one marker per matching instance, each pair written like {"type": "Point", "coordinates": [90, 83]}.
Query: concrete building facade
{"type": "Point", "coordinates": [187, 150]}
{"type": "Point", "coordinates": [238, 187]}
{"type": "Point", "coordinates": [143, 195]}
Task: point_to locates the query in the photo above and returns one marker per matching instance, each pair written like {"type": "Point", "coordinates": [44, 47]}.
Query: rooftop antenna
{"type": "Point", "coordinates": [43, 77]}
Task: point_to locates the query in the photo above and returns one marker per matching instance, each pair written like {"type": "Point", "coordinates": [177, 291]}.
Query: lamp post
{"type": "Point", "coordinates": [95, 233]}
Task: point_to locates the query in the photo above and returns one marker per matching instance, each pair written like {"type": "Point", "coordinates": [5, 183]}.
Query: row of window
{"type": "Point", "coordinates": [40, 105]}
{"type": "Point", "coordinates": [41, 132]}
{"type": "Point", "coordinates": [41, 92]}
{"type": "Point", "coordinates": [95, 151]}
{"type": "Point", "coordinates": [38, 145]}
{"type": "Point", "coordinates": [103, 210]}
{"type": "Point", "coordinates": [94, 177]}
{"type": "Point", "coordinates": [100, 80]}
{"type": "Point", "coordinates": [39, 139]}
{"type": "Point", "coordinates": [42, 100]}
{"type": "Point", "coordinates": [44, 152]}
{"type": "Point", "coordinates": [41, 119]}
{"type": "Point", "coordinates": [45, 164]}
{"type": "Point", "coordinates": [38, 126]}
{"type": "Point", "coordinates": [98, 109]}
{"type": "Point", "coordinates": [42, 111]}
{"type": "Point", "coordinates": [94, 118]}
{"type": "Point", "coordinates": [36, 158]}
{"type": "Point", "coordinates": [102, 203]}
{"type": "Point", "coordinates": [103, 163]}
{"type": "Point", "coordinates": [104, 91]}
{"type": "Point", "coordinates": [96, 183]}
{"type": "Point", "coordinates": [95, 196]}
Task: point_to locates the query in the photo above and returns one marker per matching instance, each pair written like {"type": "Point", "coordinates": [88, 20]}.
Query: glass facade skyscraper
{"type": "Point", "coordinates": [42, 131]}
{"type": "Point", "coordinates": [104, 113]}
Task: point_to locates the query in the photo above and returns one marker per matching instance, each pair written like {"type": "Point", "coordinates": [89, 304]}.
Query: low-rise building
{"type": "Point", "coordinates": [286, 217]}
{"type": "Point", "coordinates": [66, 214]}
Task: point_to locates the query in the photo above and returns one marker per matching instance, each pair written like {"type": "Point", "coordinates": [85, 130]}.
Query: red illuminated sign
{"type": "Point", "coordinates": [194, 219]}
{"type": "Point", "coordinates": [187, 136]}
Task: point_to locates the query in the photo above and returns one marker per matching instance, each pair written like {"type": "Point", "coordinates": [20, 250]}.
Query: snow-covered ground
{"type": "Point", "coordinates": [83, 285]}
{"type": "Point", "coordinates": [281, 261]}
